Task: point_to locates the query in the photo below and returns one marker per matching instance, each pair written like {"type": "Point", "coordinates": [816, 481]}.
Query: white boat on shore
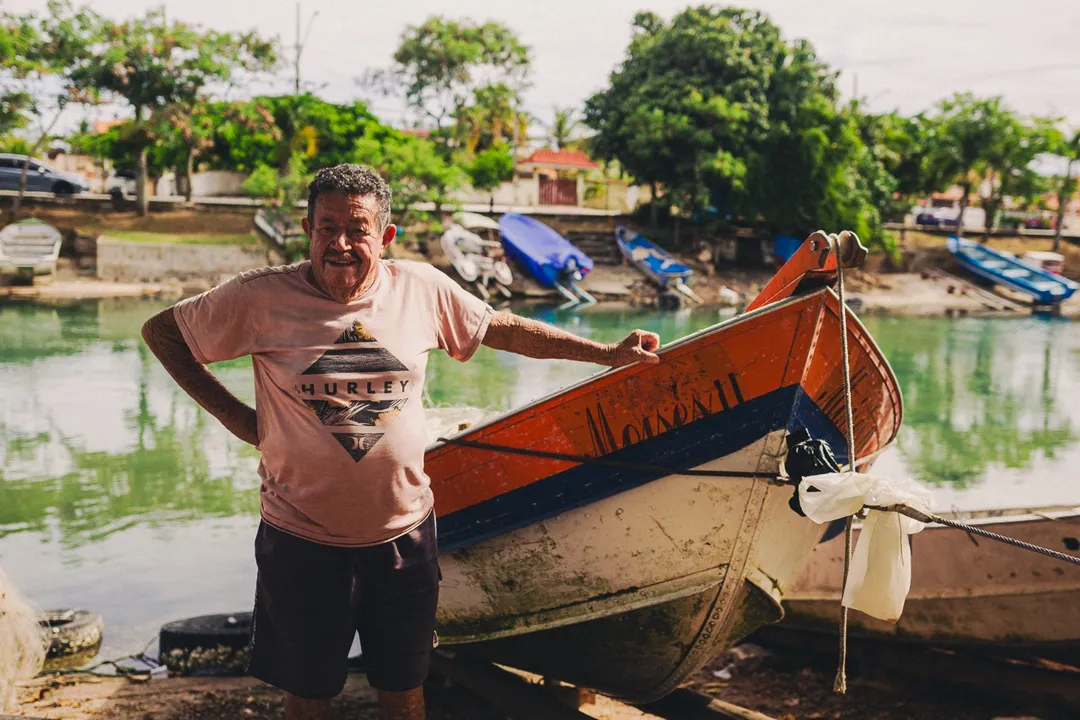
{"type": "Point", "coordinates": [966, 591]}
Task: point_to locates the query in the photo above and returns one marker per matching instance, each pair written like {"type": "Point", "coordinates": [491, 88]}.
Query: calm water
{"type": "Point", "coordinates": [118, 493]}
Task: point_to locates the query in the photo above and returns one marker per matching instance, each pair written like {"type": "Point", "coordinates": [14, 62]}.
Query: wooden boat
{"type": "Point", "coordinates": [1006, 269]}
{"type": "Point", "coordinates": [966, 591]}
{"type": "Point", "coordinates": [629, 578]}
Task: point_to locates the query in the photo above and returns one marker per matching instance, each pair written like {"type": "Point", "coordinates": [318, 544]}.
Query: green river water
{"type": "Point", "coordinates": [117, 493]}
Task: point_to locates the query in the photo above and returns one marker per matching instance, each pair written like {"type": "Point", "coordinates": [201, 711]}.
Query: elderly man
{"type": "Point", "coordinates": [339, 345]}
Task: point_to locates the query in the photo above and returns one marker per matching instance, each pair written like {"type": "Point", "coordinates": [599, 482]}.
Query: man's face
{"type": "Point", "coordinates": [347, 239]}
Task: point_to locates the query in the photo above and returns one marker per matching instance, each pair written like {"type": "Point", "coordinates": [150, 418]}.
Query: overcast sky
{"type": "Point", "coordinates": [905, 54]}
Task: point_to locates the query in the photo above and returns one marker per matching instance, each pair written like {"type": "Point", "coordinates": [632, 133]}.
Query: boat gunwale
{"type": "Point", "coordinates": [734, 321]}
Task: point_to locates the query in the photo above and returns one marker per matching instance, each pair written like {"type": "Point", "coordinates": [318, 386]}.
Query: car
{"type": "Point", "coordinates": [120, 184]}
{"type": "Point", "coordinates": [926, 218]}
{"type": "Point", "coordinates": [39, 177]}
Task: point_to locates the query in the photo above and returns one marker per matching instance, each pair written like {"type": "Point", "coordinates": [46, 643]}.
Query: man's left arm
{"type": "Point", "coordinates": [535, 339]}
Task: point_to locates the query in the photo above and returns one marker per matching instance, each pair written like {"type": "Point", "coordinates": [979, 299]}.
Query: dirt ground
{"type": "Point", "coordinates": [774, 684]}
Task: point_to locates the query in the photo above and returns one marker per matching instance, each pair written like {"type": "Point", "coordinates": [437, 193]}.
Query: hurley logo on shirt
{"type": "Point", "coordinates": [360, 424]}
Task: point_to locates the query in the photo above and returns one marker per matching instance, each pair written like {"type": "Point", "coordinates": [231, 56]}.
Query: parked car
{"type": "Point", "coordinates": [926, 218]}
{"type": "Point", "coordinates": [39, 178]}
{"type": "Point", "coordinates": [120, 184]}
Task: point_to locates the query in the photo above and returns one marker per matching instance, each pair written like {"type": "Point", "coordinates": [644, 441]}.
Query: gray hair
{"type": "Point", "coordinates": [350, 179]}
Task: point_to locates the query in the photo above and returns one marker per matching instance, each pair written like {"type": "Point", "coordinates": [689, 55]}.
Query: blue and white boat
{"type": "Point", "coordinates": [1006, 269]}
{"type": "Point", "coordinates": [549, 257]}
{"type": "Point", "coordinates": [656, 264]}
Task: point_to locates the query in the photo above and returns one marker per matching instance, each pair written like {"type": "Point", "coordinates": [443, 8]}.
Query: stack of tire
{"type": "Point", "coordinates": [74, 637]}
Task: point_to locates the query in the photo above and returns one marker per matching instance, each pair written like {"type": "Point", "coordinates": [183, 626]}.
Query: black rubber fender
{"type": "Point", "coordinates": [71, 631]}
{"type": "Point", "coordinates": [207, 644]}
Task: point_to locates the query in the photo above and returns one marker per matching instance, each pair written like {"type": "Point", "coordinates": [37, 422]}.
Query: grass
{"type": "Point", "coordinates": [139, 236]}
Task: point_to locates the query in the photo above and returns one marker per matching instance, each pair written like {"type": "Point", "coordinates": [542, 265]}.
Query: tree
{"type": "Point", "coordinates": [1067, 146]}
{"type": "Point", "coordinates": [898, 144]}
{"type": "Point", "coordinates": [1008, 170]}
{"type": "Point", "coordinates": [965, 137]}
{"type": "Point", "coordinates": [188, 132]}
{"type": "Point", "coordinates": [491, 117]}
{"type": "Point", "coordinates": [724, 115]}
{"type": "Point", "coordinates": [563, 125]}
{"type": "Point", "coordinates": [152, 64]}
{"type": "Point", "coordinates": [442, 63]}
{"type": "Point", "coordinates": [413, 166]}
{"type": "Point", "coordinates": [491, 167]}
{"type": "Point", "coordinates": [43, 56]}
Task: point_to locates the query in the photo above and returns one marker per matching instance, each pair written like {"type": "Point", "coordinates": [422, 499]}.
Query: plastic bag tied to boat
{"type": "Point", "coordinates": [880, 573]}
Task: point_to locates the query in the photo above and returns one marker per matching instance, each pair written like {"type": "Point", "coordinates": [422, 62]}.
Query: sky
{"type": "Point", "coordinates": [896, 54]}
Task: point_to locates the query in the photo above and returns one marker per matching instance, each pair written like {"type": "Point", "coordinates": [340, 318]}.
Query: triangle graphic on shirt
{"type": "Point", "coordinates": [356, 333]}
{"type": "Point", "coordinates": [371, 413]}
{"type": "Point", "coordinates": [341, 361]}
{"type": "Point", "coordinates": [357, 444]}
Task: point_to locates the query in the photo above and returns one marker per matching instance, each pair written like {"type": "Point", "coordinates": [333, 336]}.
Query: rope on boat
{"type": "Point", "coordinates": [589, 460]}
{"type": "Point", "coordinates": [931, 518]}
{"type": "Point", "coordinates": [841, 245]}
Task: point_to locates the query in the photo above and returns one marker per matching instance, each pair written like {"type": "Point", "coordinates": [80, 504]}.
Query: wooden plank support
{"type": "Point", "coordinates": [687, 704]}
{"type": "Point", "coordinates": [504, 691]}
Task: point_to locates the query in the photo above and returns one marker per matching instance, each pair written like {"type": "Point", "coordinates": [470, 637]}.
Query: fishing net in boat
{"type": "Point", "coordinates": [22, 644]}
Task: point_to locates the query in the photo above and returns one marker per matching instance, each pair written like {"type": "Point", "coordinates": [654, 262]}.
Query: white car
{"type": "Point", "coordinates": [120, 184]}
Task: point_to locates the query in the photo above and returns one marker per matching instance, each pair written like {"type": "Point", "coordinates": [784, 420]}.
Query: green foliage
{"type": "Point", "coordinates": [324, 133]}
{"type": "Point", "coordinates": [15, 145]}
{"type": "Point", "coordinates": [492, 117]}
{"type": "Point", "coordinates": [719, 111]}
{"type": "Point", "coordinates": [492, 167]}
{"type": "Point", "coordinates": [564, 124]}
{"type": "Point", "coordinates": [262, 183]}
{"type": "Point", "coordinates": [441, 63]}
{"type": "Point", "coordinates": [154, 65]}
{"type": "Point", "coordinates": [415, 169]}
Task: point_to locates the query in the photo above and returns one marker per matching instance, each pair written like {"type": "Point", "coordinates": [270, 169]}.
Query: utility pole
{"type": "Point", "coordinates": [299, 47]}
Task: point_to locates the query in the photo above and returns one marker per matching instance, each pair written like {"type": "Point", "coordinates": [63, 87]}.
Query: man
{"type": "Point", "coordinates": [339, 346]}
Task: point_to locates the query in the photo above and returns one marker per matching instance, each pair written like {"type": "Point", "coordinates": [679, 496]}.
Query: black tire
{"type": "Point", "coordinates": [71, 631]}
{"type": "Point", "coordinates": [63, 188]}
{"type": "Point", "coordinates": [207, 645]}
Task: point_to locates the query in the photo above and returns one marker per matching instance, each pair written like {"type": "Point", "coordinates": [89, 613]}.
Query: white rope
{"type": "Point", "coordinates": [840, 243]}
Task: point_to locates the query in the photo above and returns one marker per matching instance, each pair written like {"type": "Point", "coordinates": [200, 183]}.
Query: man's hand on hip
{"type": "Point", "coordinates": [163, 337]}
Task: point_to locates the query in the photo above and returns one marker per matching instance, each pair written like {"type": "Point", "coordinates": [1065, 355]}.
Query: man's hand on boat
{"type": "Point", "coordinates": [638, 346]}
{"type": "Point", "coordinates": [532, 338]}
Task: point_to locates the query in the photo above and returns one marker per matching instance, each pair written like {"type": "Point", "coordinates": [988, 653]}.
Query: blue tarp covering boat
{"type": "Point", "coordinates": [656, 264]}
{"type": "Point", "coordinates": [547, 255]}
{"type": "Point", "coordinates": [1012, 272]}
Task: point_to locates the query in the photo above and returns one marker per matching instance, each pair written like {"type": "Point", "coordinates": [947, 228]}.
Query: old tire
{"type": "Point", "coordinates": [71, 632]}
{"type": "Point", "coordinates": [207, 645]}
{"type": "Point", "coordinates": [63, 188]}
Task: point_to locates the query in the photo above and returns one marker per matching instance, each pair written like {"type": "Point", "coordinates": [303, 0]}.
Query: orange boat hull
{"type": "Point", "coordinates": [629, 579]}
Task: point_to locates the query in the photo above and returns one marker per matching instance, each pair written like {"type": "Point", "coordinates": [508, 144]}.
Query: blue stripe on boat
{"type": "Point", "coordinates": [693, 444]}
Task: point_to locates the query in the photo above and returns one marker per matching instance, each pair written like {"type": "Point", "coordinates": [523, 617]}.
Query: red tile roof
{"type": "Point", "coordinates": [560, 158]}
{"type": "Point", "coordinates": [416, 132]}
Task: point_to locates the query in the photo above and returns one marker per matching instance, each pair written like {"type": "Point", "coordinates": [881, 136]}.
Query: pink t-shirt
{"type": "Point", "coordinates": [338, 390]}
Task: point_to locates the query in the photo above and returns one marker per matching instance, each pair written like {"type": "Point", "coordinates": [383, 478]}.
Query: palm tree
{"type": "Point", "coordinates": [563, 127]}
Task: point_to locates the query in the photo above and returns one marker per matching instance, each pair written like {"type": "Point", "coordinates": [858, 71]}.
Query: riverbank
{"type": "Point", "coordinates": [922, 291]}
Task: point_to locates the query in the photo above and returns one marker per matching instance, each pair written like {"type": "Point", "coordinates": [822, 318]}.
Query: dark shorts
{"type": "Point", "coordinates": [311, 599]}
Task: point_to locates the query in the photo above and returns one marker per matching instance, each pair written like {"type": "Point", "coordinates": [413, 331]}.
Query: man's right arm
{"type": "Point", "coordinates": [165, 340]}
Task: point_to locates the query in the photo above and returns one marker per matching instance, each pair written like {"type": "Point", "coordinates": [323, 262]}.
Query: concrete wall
{"type": "Point", "coordinates": [152, 263]}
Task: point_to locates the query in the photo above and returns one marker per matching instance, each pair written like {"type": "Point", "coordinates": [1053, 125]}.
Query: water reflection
{"type": "Point", "coordinates": [982, 397]}
{"type": "Point", "coordinates": [95, 437]}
